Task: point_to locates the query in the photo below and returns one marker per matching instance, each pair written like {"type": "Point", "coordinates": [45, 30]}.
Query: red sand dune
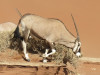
{"type": "Point", "coordinates": [85, 12]}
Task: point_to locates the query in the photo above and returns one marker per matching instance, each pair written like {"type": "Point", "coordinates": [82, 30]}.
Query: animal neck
{"type": "Point", "coordinates": [66, 43]}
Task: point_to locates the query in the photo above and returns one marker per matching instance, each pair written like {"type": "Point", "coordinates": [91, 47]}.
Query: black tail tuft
{"type": "Point", "coordinates": [17, 34]}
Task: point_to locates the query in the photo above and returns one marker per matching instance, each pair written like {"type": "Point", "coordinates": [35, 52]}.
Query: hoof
{"type": "Point", "coordinates": [45, 61]}
{"type": "Point", "coordinates": [27, 60]}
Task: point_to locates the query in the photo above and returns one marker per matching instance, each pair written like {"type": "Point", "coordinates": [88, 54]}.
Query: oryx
{"type": "Point", "coordinates": [51, 30]}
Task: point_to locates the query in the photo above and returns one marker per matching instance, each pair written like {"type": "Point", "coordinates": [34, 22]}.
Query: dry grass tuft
{"type": "Point", "coordinates": [5, 40]}
{"type": "Point", "coordinates": [62, 55]}
{"type": "Point", "coordinates": [6, 29]}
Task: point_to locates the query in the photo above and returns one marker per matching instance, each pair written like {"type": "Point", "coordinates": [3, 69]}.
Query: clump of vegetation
{"type": "Point", "coordinates": [36, 45]}
{"type": "Point", "coordinates": [5, 38]}
{"type": "Point", "coordinates": [63, 54]}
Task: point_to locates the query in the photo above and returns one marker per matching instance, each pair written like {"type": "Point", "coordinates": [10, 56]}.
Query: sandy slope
{"type": "Point", "coordinates": [12, 63]}
{"type": "Point", "coordinates": [87, 17]}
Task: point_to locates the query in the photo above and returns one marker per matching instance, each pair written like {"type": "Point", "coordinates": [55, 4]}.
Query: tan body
{"type": "Point", "coordinates": [51, 30]}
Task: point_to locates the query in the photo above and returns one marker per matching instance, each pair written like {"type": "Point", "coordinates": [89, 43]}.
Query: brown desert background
{"type": "Point", "coordinates": [85, 12]}
{"type": "Point", "coordinates": [87, 17]}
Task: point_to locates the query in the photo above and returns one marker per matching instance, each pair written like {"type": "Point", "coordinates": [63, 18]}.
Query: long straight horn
{"type": "Point", "coordinates": [78, 38]}
{"type": "Point", "coordinates": [19, 12]}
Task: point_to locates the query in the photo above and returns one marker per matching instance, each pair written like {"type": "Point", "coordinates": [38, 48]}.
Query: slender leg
{"type": "Point", "coordinates": [24, 50]}
{"type": "Point", "coordinates": [45, 55]}
{"type": "Point", "coordinates": [26, 33]}
{"type": "Point", "coordinates": [53, 51]}
{"type": "Point", "coordinates": [46, 52]}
